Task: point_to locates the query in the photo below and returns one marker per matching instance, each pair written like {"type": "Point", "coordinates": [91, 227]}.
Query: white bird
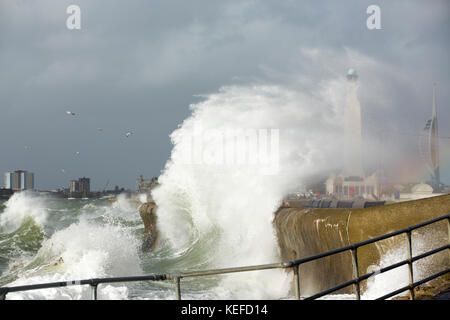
{"type": "Point", "coordinates": [70, 113]}
{"type": "Point", "coordinates": [129, 133]}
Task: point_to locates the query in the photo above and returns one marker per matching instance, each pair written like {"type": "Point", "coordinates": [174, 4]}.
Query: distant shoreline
{"type": "Point", "coordinates": [5, 194]}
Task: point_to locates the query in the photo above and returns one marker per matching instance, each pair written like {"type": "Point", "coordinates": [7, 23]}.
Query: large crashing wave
{"type": "Point", "coordinates": [205, 197]}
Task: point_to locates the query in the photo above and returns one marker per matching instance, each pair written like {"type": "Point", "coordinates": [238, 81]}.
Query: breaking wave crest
{"type": "Point", "coordinates": [230, 204]}
{"type": "Point", "coordinates": [20, 206]}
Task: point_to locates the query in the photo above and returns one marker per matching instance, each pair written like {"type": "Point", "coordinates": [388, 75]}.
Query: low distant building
{"type": "Point", "coordinates": [350, 187]}
{"type": "Point", "coordinates": [418, 191]}
{"type": "Point", "coordinates": [5, 194]}
{"type": "Point", "coordinates": [422, 188]}
{"type": "Point", "coordinates": [19, 180]}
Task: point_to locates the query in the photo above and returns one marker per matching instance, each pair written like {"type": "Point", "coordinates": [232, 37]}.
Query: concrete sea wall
{"type": "Point", "coordinates": [304, 232]}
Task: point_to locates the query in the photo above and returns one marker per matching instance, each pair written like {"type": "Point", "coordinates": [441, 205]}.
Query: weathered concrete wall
{"type": "Point", "coordinates": [304, 232]}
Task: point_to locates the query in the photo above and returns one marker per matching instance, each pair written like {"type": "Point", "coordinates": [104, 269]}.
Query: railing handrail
{"type": "Point", "coordinates": [94, 282]}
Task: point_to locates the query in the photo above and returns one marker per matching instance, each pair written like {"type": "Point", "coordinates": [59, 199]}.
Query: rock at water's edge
{"type": "Point", "coordinates": [148, 215]}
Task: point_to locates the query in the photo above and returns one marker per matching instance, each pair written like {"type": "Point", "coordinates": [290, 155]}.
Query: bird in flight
{"type": "Point", "coordinates": [70, 113]}
{"type": "Point", "coordinates": [129, 133]}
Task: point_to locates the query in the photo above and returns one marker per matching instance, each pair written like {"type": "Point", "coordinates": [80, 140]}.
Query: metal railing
{"type": "Point", "coordinates": [293, 264]}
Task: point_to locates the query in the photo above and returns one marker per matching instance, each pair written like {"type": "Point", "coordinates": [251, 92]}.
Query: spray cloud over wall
{"type": "Point", "coordinates": [233, 202]}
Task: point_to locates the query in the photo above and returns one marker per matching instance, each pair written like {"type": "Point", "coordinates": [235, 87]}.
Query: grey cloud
{"type": "Point", "coordinates": [138, 65]}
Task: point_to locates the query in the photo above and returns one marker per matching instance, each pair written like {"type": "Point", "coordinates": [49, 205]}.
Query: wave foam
{"type": "Point", "coordinates": [21, 206]}
{"type": "Point", "coordinates": [83, 250]}
{"type": "Point", "coordinates": [235, 204]}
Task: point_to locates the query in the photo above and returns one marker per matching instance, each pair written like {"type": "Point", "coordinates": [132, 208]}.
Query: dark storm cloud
{"type": "Point", "coordinates": [137, 65]}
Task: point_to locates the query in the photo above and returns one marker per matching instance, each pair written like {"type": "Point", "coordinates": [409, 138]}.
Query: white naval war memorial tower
{"type": "Point", "coordinates": [351, 182]}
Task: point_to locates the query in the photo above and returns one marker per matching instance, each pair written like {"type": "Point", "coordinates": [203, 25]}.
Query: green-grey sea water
{"type": "Point", "coordinates": [44, 239]}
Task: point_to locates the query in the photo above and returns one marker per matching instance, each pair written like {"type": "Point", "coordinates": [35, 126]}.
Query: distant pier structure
{"type": "Point", "coordinates": [429, 146]}
{"type": "Point", "coordinates": [146, 185]}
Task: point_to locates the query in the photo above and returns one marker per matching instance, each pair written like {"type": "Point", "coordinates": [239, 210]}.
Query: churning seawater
{"type": "Point", "coordinates": [45, 239]}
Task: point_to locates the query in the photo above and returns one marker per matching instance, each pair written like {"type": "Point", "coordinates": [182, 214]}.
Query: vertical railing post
{"type": "Point", "coordinates": [94, 291]}
{"type": "Point", "coordinates": [448, 226]}
{"type": "Point", "coordinates": [176, 281]}
{"type": "Point", "coordinates": [410, 267]}
{"type": "Point", "coordinates": [356, 273]}
{"type": "Point", "coordinates": [448, 234]}
{"type": "Point", "coordinates": [297, 281]}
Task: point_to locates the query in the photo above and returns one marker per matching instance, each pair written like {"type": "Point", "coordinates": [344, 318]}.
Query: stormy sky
{"type": "Point", "coordinates": [137, 66]}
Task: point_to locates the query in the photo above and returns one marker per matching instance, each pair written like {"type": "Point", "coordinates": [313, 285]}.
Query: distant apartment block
{"type": "Point", "coordinates": [85, 185]}
{"type": "Point", "coordinates": [19, 180]}
{"type": "Point", "coordinates": [74, 186]}
{"type": "Point", "coordinates": [81, 186]}
{"type": "Point", "coordinates": [7, 180]}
